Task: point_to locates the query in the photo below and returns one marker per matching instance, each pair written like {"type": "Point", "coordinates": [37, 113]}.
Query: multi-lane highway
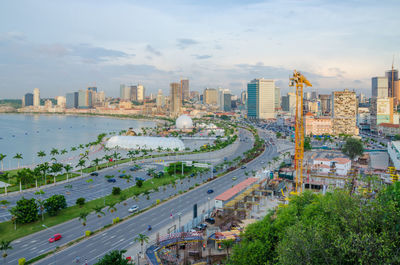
{"type": "Point", "coordinates": [37, 244]}
{"type": "Point", "coordinates": [122, 236]}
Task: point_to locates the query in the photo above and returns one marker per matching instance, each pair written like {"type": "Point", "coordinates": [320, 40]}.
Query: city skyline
{"type": "Point", "coordinates": [222, 44]}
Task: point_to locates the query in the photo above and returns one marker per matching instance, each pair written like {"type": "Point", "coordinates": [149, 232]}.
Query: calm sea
{"type": "Point", "coordinates": [28, 134]}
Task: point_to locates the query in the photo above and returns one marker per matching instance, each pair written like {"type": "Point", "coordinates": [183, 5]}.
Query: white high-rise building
{"type": "Point", "coordinates": [36, 97]}
{"type": "Point", "coordinates": [379, 87]}
{"type": "Point", "coordinates": [160, 101]}
{"type": "Point", "coordinates": [61, 101]}
{"type": "Point", "coordinates": [261, 99]}
{"type": "Point", "coordinates": [140, 93]}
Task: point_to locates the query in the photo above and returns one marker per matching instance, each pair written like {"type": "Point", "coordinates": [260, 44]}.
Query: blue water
{"type": "Point", "coordinates": [28, 134]}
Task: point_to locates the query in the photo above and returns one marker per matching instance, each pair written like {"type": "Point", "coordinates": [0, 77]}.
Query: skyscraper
{"type": "Point", "coordinates": [36, 97]}
{"type": "Point", "coordinates": [160, 102]}
{"type": "Point", "coordinates": [85, 99]}
{"type": "Point", "coordinates": [391, 75]}
{"type": "Point", "coordinates": [72, 100]}
{"type": "Point", "coordinates": [221, 97]}
{"type": "Point", "coordinates": [325, 104]}
{"type": "Point", "coordinates": [185, 89]}
{"type": "Point", "coordinates": [344, 112]}
{"type": "Point", "coordinates": [210, 96]}
{"type": "Point", "coordinates": [140, 92]}
{"type": "Point", "coordinates": [28, 99]}
{"type": "Point", "coordinates": [125, 92]}
{"type": "Point", "coordinates": [380, 87]}
{"type": "Point", "coordinates": [289, 103]}
{"type": "Point", "coordinates": [261, 99]}
{"type": "Point", "coordinates": [227, 102]}
{"type": "Point", "coordinates": [175, 96]}
{"type": "Point", "coordinates": [277, 98]}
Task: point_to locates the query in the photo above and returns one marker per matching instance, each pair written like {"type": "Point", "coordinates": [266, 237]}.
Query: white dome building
{"type": "Point", "coordinates": [144, 142]}
{"type": "Point", "coordinates": [184, 122]}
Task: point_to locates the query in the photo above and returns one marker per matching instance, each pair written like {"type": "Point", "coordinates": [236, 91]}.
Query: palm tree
{"type": "Point", "coordinates": [99, 210]}
{"type": "Point", "coordinates": [116, 156]}
{"type": "Point", "coordinates": [73, 148]}
{"type": "Point", "coordinates": [64, 151]}
{"type": "Point", "coordinates": [128, 178]}
{"type": "Point", "coordinates": [111, 207]}
{"type": "Point", "coordinates": [18, 157]}
{"type": "Point", "coordinates": [107, 158]}
{"type": "Point", "coordinates": [96, 162]}
{"type": "Point", "coordinates": [142, 239]}
{"type": "Point", "coordinates": [2, 156]}
{"type": "Point", "coordinates": [41, 154]}
{"type": "Point", "coordinates": [67, 169]}
{"type": "Point", "coordinates": [228, 245]}
{"type": "Point", "coordinates": [40, 204]}
{"type": "Point", "coordinates": [44, 168]}
{"type": "Point", "coordinates": [83, 217]}
{"type": "Point", "coordinates": [4, 246]}
{"type": "Point", "coordinates": [131, 155]}
{"type": "Point", "coordinates": [81, 163]}
{"type": "Point", "coordinates": [54, 152]}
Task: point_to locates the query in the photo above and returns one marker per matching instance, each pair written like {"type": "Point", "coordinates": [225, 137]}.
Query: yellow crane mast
{"type": "Point", "coordinates": [299, 81]}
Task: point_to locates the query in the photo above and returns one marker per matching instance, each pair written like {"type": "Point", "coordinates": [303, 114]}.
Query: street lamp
{"type": "Point", "coordinates": [48, 228]}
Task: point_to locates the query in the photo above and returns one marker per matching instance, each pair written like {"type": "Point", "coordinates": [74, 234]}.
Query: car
{"type": "Point", "coordinates": [94, 174]}
{"type": "Point", "coordinates": [133, 169]}
{"type": "Point", "coordinates": [139, 178]}
{"type": "Point", "coordinates": [210, 191]}
{"type": "Point", "coordinates": [243, 167]}
{"type": "Point", "coordinates": [122, 176]}
{"type": "Point", "coordinates": [214, 170]}
{"type": "Point", "coordinates": [111, 180]}
{"type": "Point", "coordinates": [54, 238]}
{"type": "Point", "coordinates": [234, 178]}
{"type": "Point", "coordinates": [133, 209]}
{"type": "Point", "coordinates": [210, 220]}
{"type": "Point", "coordinates": [262, 162]}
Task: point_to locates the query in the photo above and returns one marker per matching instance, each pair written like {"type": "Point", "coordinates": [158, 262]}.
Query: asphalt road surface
{"type": "Point", "coordinates": [122, 236]}
{"type": "Point", "coordinates": [37, 244]}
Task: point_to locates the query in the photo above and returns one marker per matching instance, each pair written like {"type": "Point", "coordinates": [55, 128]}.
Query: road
{"type": "Point", "coordinates": [122, 236]}
{"type": "Point", "coordinates": [36, 244]}
{"type": "Point", "coordinates": [99, 187]}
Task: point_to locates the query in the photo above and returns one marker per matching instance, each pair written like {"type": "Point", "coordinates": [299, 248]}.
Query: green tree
{"type": "Point", "coordinates": [307, 143]}
{"type": "Point", "coordinates": [96, 162]}
{"type": "Point", "coordinates": [115, 257]}
{"type": "Point", "coordinates": [18, 157]}
{"type": "Point", "coordinates": [278, 134]}
{"type": "Point", "coordinates": [2, 156]}
{"type": "Point", "coordinates": [139, 183]}
{"type": "Point", "coordinates": [81, 164]}
{"type": "Point", "coordinates": [227, 244]}
{"type": "Point", "coordinates": [40, 204]}
{"type": "Point", "coordinates": [26, 211]}
{"type": "Point", "coordinates": [83, 217]}
{"type": "Point", "coordinates": [353, 148]}
{"type": "Point", "coordinates": [116, 191]}
{"type": "Point", "coordinates": [4, 247]}
{"type": "Point", "coordinates": [141, 238]}
{"type": "Point", "coordinates": [67, 169]}
{"type": "Point", "coordinates": [54, 204]}
{"type": "Point", "coordinates": [98, 210]}
{"type": "Point", "coordinates": [80, 201]}
{"type": "Point", "coordinates": [54, 152]}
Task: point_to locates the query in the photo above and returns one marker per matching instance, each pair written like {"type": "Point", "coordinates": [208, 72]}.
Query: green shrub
{"type": "Point", "coordinates": [88, 233]}
{"type": "Point", "coordinates": [80, 201]}
{"type": "Point", "coordinates": [116, 191]}
{"type": "Point", "coordinates": [54, 204]}
{"type": "Point", "coordinates": [158, 201]}
{"type": "Point", "coordinates": [26, 211]}
{"type": "Point", "coordinates": [21, 261]}
{"type": "Point", "coordinates": [115, 220]}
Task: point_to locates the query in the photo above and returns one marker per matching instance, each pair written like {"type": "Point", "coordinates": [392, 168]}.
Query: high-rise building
{"type": "Point", "coordinates": [140, 93]}
{"type": "Point", "coordinates": [227, 102]}
{"type": "Point", "coordinates": [36, 97]}
{"type": "Point", "coordinates": [28, 99]}
{"type": "Point", "coordinates": [124, 92]}
{"type": "Point", "coordinates": [277, 98]}
{"type": "Point", "coordinates": [344, 112]}
{"type": "Point", "coordinates": [243, 97]}
{"type": "Point", "coordinates": [160, 101]}
{"type": "Point", "coordinates": [380, 87]}
{"type": "Point", "coordinates": [92, 88]}
{"type": "Point", "coordinates": [100, 97]}
{"type": "Point", "coordinates": [325, 104]}
{"type": "Point", "coordinates": [195, 95]}
{"type": "Point", "coordinates": [221, 97]}
{"type": "Point", "coordinates": [392, 76]}
{"type": "Point", "coordinates": [85, 99]}
{"type": "Point", "coordinates": [72, 100]}
{"type": "Point", "coordinates": [307, 95]}
{"type": "Point", "coordinates": [210, 96]}
{"type": "Point", "coordinates": [289, 103]}
{"type": "Point", "coordinates": [314, 95]}
{"type": "Point", "coordinates": [381, 111]}
{"type": "Point", "coordinates": [61, 101]}
{"type": "Point", "coordinates": [261, 99]}
{"type": "Point", "coordinates": [175, 96]}
{"type": "Point", "coordinates": [185, 89]}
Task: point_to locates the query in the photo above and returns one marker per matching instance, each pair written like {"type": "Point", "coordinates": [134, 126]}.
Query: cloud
{"type": "Point", "coordinates": [56, 50]}
{"type": "Point", "coordinates": [151, 50]}
{"type": "Point", "coordinates": [202, 57]}
{"type": "Point", "coordinates": [95, 54]}
{"type": "Point", "coordinates": [12, 36]}
{"type": "Point", "coordinates": [184, 43]}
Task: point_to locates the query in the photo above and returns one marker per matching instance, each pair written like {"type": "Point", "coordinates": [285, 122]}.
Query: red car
{"type": "Point", "coordinates": [55, 238]}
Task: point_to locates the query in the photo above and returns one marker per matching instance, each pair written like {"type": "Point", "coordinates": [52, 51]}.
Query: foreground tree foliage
{"type": "Point", "coordinates": [114, 257]}
{"type": "Point", "coordinates": [54, 204]}
{"type": "Point", "coordinates": [26, 211]}
{"type": "Point", "coordinates": [331, 229]}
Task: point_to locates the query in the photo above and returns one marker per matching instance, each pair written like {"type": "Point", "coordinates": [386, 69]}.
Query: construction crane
{"type": "Point", "coordinates": [299, 81]}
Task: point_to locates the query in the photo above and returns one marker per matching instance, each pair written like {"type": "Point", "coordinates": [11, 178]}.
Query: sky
{"type": "Point", "coordinates": [63, 46]}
